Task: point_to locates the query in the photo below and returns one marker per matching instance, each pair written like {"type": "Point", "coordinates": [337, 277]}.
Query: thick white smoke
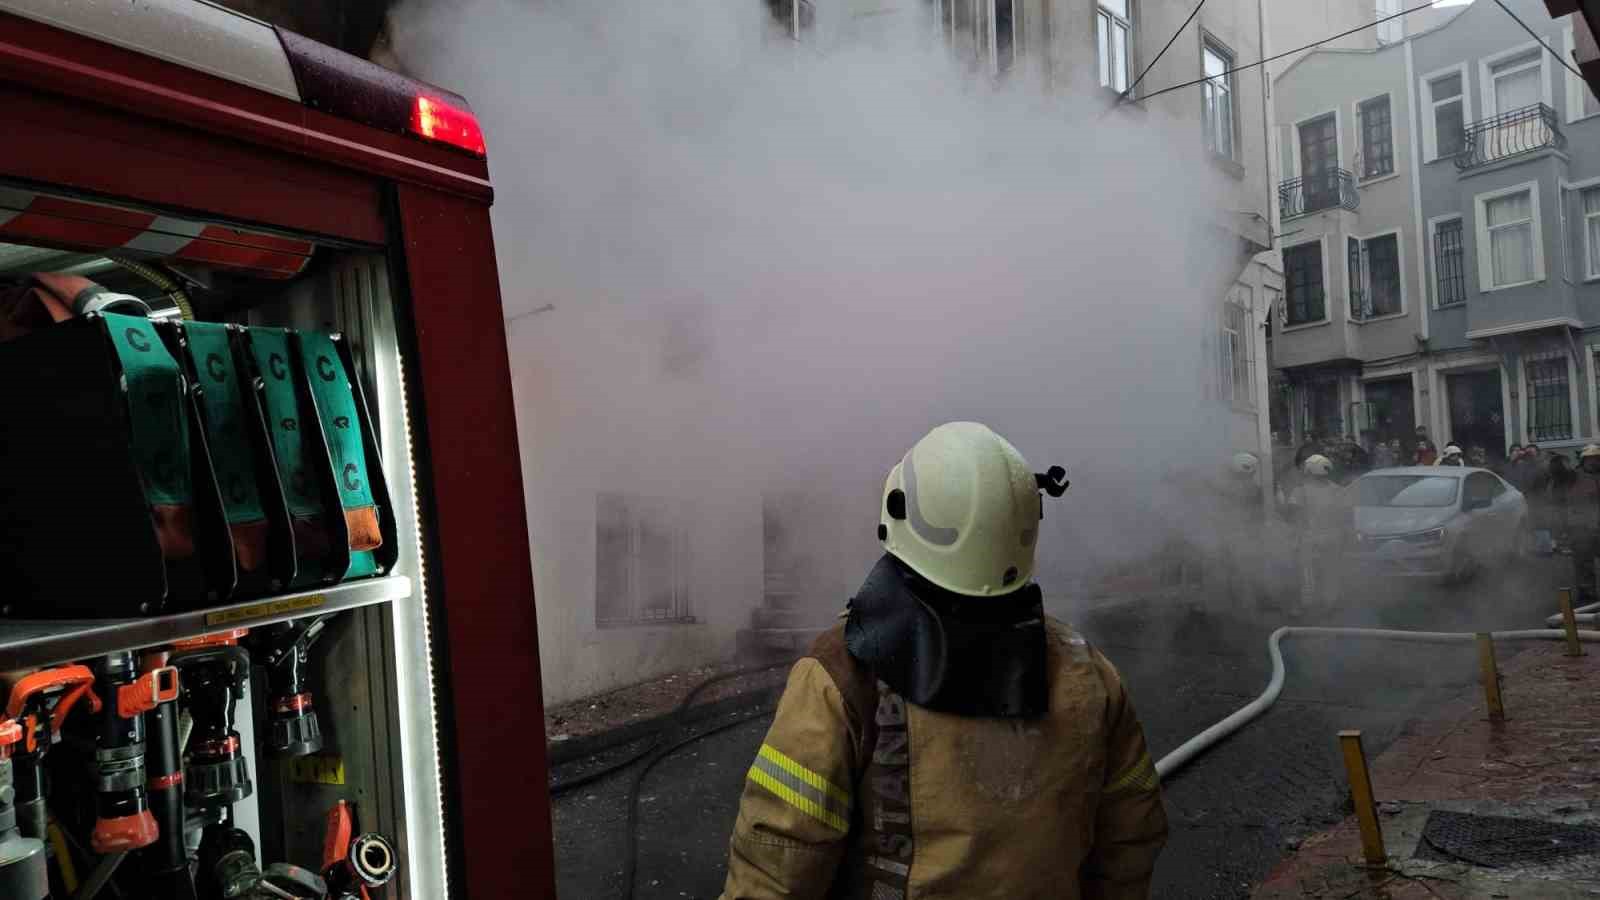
{"type": "Point", "coordinates": [774, 266]}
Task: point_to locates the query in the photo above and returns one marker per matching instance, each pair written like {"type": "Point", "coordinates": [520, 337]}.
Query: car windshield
{"type": "Point", "coordinates": [1408, 490]}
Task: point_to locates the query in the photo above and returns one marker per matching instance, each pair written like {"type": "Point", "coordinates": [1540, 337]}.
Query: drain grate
{"type": "Point", "coordinates": [1498, 842]}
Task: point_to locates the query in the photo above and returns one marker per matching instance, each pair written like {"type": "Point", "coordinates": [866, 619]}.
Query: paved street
{"type": "Point", "coordinates": [1234, 810]}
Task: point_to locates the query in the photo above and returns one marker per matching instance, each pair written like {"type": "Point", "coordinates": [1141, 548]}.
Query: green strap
{"type": "Point", "coordinates": [270, 349]}
{"type": "Point", "coordinates": [341, 425]}
{"type": "Point", "coordinates": [155, 409]}
{"type": "Point", "coordinates": [232, 454]}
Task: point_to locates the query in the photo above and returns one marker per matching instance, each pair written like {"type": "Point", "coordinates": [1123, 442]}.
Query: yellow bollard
{"type": "Point", "coordinates": [1569, 622]}
{"type": "Point", "coordinates": [1355, 765]}
{"type": "Point", "coordinates": [1491, 677]}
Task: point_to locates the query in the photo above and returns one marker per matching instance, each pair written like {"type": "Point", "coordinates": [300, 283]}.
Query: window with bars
{"type": "Point", "coordinates": [1236, 373]}
{"type": "Point", "coordinates": [1449, 263]}
{"type": "Point", "coordinates": [1377, 138]}
{"type": "Point", "coordinates": [1302, 277]}
{"type": "Point", "coordinates": [641, 561]}
{"type": "Point", "coordinates": [1549, 399]}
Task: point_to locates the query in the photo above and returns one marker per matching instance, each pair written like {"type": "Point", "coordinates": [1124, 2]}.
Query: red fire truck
{"type": "Point", "coordinates": [266, 605]}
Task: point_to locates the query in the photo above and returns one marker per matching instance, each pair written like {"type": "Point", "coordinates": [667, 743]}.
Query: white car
{"type": "Point", "coordinates": [1435, 521]}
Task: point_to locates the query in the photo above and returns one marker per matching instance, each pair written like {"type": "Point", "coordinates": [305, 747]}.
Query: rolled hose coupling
{"type": "Point", "coordinates": [373, 859]}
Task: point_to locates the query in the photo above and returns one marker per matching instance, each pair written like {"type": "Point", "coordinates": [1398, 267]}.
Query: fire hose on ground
{"type": "Point", "coordinates": [1203, 741]}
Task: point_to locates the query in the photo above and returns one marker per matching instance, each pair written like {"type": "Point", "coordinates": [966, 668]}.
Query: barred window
{"type": "Point", "coordinates": [641, 561]}
{"type": "Point", "coordinates": [1549, 399]}
{"type": "Point", "coordinates": [1449, 266]}
{"type": "Point", "coordinates": [1236, 372]}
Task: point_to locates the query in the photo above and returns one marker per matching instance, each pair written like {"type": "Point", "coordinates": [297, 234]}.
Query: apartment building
{"type": "Point", "coordinates": [1441, 237]}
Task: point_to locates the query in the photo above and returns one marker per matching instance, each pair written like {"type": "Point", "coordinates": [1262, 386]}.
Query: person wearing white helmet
{"type": "Point", "coordinates": [1318, 509]}
{"type": "Point", "coordinates": [1451, 457]}
{"type": "Point", "coordinates": [1583, 522]}
{"type": "Point", "coordinates": [949, 739]}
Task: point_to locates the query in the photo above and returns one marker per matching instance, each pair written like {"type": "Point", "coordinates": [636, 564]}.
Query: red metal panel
{"type": "Point", "coordinates": [496, 695]}
{"type": "Point", "coordinates": [54, 60]}
{"type": "Point", "coordinates": [63, 142]}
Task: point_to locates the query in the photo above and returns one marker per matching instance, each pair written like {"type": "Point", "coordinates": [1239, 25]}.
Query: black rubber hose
{"type": "Point", "coordinates": [656, 738]}
{"type": "Point", "coordinates": [630, 864]}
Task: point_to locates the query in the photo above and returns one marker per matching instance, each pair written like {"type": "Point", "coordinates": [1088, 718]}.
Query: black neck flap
{"type": "Point", "coordinates": [981, 657]}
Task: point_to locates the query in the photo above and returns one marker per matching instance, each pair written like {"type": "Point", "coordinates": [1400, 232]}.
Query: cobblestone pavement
{"type": "Point", "coordinates": [1235, 810]}
{"type": "Point", "coordinates": [1542, 763]}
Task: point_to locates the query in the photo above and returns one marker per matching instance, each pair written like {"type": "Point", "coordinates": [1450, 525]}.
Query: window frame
{"type": "Point", "coordinates": [1576, 89]}
{"type": "Point", "coordinates": [985, 31]}
{"type": "Point", "coordinates": [1430, 122]}
{"type": "Point", "coordinates": [1591, 371]}
{"type": "Point", "coordinates": [1578, 189]}
{"type": "Point", "coordinates": [1487, 75]}
{"type": "Point", "coordinates": [1480, 203]}
{"type": "Point", "coordinates": [1338, 137]}
{"type": "Point", "coordinates": [1378, 12]}
{"type": "Point", "coordinates": [1356, 115]}
{"type": "Point", "coordinates": [639, 509]}
{"type": "Point", "coordinates": [1527, 400]}
{"type": "Point", "coordinates": [1433, 259]}
{"type": "Point", "coordinates": [1098, 12]}
{"type": "Point", "coordinates": [1210, 44]}
{"type": "Point", "coordinates": [1238, 322]}
{"type": "Point", "coordinates": [1327, 313]}
{"type": "Point", "coordinates": [1400, 271]}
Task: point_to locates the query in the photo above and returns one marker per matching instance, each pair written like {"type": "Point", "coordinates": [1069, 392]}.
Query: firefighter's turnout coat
{"type": "Point", "coordinates": [857, 794]}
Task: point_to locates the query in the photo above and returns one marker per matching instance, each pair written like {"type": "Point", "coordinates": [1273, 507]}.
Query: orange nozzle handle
{"type": "Point", "coordinates": [77, 681]}
{"type": "Point", "coordinates": [124, 833]}
{"type": "Point", "coordinates": [147, 691]}
{"type": "Point", "coordinates": [220, 638]}
{"type": "Point", "coordinates": [10, 733]}
{"type": "Point", "coordinates": [341, 831]}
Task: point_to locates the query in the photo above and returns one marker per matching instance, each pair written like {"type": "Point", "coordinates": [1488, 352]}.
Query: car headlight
{"type": "Point", "coordinates": [1436, 536]}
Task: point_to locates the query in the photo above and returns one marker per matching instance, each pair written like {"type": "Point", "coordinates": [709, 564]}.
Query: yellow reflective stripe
{"type": "Point", "coordinates": [1141, 775]}
{"type": "Point", "coordinates": [776, 757]}
{"type": "Point", "coordinates": [805, 804]}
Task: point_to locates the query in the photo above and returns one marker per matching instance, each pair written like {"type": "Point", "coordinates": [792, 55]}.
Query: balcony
{"type": "Point", "coordinates": [1511, 134]}
{"type": "Point", "coordinates": [1334, 188]}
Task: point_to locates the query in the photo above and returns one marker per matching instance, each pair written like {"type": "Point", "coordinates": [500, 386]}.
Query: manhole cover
{"type": "Point", "coordinates": [1498, 841]}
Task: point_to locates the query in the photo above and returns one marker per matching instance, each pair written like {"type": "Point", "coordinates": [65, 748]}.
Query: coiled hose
{"type": "Point", "coordinates": [1203, 741]}
{"type": "Point", "coordinates": [155, 276]}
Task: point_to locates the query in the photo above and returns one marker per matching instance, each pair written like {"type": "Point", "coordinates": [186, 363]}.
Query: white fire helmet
{"type": "Point", "coordinates": [962, 509]}
{"type": "Point", "coordinates": [1450, 451]}
{"type": "Point", "coordinates": [1245, 463]}
{"type": "Point", "coordinates": [1318, 465]}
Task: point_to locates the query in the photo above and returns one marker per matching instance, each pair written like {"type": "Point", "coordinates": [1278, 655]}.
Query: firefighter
{"type": "Point", "coordinates": [948, 739]}
{"type": "Point", "coordinates": [1583, 512]}
{"type": "Point", "coordinates": [1450, 457]}
{"type": "Point", "coordinates": [1317, 508]}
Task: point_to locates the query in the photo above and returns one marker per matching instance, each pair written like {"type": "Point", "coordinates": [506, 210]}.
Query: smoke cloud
{"type": "Point", "coordinates": [736, 266]}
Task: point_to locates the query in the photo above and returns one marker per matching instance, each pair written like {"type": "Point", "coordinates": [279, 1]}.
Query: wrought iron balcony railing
{"type": "Point", "coordinates": [1324, 190]}
{"type": "Point", "coordinates": [1510, 134]}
